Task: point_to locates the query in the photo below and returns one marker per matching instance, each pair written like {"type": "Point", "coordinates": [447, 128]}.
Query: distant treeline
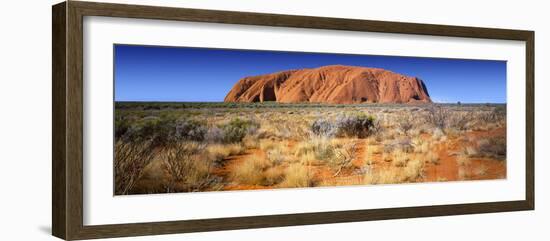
{"type": "Point", "coordinates": [272, 104]}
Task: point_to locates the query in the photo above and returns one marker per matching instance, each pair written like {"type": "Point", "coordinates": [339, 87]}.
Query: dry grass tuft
{"type": "Point", "coordinates": [218, 152]}
{"type": "Point", "coordinates": [471, 151]}
{"type": "Point", "coordinates": [387, 157]}
{"type": "Point", "coordinates": [298, 175]}
{"type": "Point", "coordinates": [307, 158]}
{"type": "Point", "coordinates": [438, 135]}
{"type": "Point", "coordinates": [399, 158]}
{"type": "Point", "coordinates": [250, 171]}
{"type": "Point", "coordinates": [420, 146]}
{"type": "Point", "coordinates": [322, 149]}
{"type": "Point", "coordinates": [369, 155]}
{"type": "Point", "coordinates": [433, 157]}
{"type": "Point", "coordinates": [266, 144]}
{"type": "Point", "coordinates": [279, 153]}
{"type": "Point", "coordinates": [382, 176]}
{"type": "Point", "coordinates": [463, 163]}
{"type": "Point", "coordinates": [273, 176]}
{"type": "Point", "coordinates": [250, 142]}
{"type": "Point", "coordinates": [481, 170]}
{"type": "Point", "coordinates": [462, 160]}
{"type": "Point", "coordinates": [413, 171]}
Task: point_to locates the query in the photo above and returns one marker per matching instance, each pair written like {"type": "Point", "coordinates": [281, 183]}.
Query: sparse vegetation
{"type": "Point", "coordinates": [188, 147]}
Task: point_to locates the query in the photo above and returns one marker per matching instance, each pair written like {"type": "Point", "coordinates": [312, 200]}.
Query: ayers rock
{"type": "Point", "coordinates": [336, 84]}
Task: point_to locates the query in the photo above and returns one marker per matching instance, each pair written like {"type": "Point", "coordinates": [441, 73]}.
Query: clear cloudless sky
{"type": "Point", "coordinates": [153, 73]}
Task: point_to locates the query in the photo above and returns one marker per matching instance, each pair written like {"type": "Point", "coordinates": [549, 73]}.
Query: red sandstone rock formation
{"type": "Point", "coordinates": [335, 84]}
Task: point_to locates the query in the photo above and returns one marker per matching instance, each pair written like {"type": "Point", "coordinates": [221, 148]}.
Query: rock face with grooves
{"type": "Point", "coordinates": [335, 84]}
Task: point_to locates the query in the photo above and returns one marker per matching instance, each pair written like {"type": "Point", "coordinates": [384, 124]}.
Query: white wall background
{"type": "Point", "coordinates": [25, 120]}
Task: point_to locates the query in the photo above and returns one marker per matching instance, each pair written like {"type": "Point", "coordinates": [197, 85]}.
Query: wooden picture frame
{"type": "Point", "coordinates": [67, 125]}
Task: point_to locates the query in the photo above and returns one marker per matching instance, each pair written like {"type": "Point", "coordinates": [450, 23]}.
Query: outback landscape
{"type": "Point", "coordinates": [329, 126]}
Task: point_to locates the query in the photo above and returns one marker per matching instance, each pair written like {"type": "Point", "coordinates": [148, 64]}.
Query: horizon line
{"type": "Point", "coordinates": [179, 101]}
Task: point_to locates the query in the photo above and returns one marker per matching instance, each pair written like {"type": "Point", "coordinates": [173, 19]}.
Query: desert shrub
{"type": "Point", "coordinates": [122, 125]}
{"type": "Point", "coordinates": [131, 158]}
{"type": "Point", "coordinates": [214, 134]}
{"type": "Point", "coordinates": [497, 114]}
{"type": "Point", "coordinates": [402, 144]}
{"type": "Point", "coordinates": [344, 157]}
{"type": "Point", "coordinates": [375, 127]}
{"type": "Point", "coordinates": [163, 131]}
{"type": "Point", "coordinates": [346, 125]}
{"type": "Point", "coordinates": [494, 147]}
{"type": "Point", "coordinates": [443, 118]}
{"type": "Point", "coordinates": [149, 129]}
{"type": "Point", "coordinates": [286, 129]}
{"type": "Point", "coordinates": [354, 125]}
{"type": "Point", "coordinates": [323, 127]}
{"type": "Point", "coordinates": [188, 169]}
{"type": "Point", "coordinates": [188, 130]}
{"type": "Point", "coordinates": [404, 123]}
{"type": "Point", "coordinates": [438, 117]}
{"type": "Point", "coordinates": [237, 129]}
{"type": "Point", "coordinates": [460, 121]}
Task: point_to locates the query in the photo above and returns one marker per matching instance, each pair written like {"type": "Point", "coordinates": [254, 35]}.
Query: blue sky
{"type": "Point", "coordinates": [152, 73]}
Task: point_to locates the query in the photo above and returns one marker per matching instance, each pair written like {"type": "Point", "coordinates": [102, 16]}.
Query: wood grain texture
{"type": "Point", "coordinates": [67, 100]}
{"type": "Point", "coordinates": [530, 120]}
{"type": "Point", "coordinates": [263, 19]}
{"type": "Point", "coordinates": [74, 121]}
{"type": "Point", "coordinates": [59, 193]}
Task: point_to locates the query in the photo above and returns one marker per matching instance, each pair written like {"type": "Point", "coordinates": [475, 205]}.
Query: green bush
{"type": "Point", "coordinates": [163, 131]}
{"type": "Point", "coordinates": [237, 129]}
{"type": "Point", "coordinates": [152, 129]}
{"type": "Point", "coordinates": [122, 125]}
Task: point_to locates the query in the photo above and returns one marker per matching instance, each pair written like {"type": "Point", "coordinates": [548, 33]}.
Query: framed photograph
{"type": "Point", "coordinates": [171, 120]}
